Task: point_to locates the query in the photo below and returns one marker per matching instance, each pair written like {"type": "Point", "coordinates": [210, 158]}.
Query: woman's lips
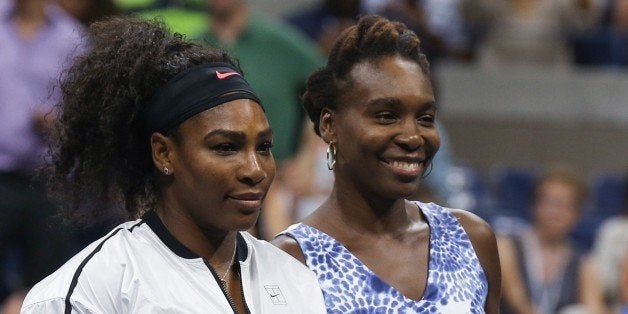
{"type": "Point", "coordinates": [248, 199]}
{"type": "Point", "coordinates": [405, 168]}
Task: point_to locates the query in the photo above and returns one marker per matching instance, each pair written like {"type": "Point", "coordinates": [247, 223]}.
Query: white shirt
{"type": "Point", "coordinates": [139, 267]}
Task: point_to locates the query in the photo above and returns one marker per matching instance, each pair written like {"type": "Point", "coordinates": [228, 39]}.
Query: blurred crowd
{"type": "Point", "coordinates": [563, 238]}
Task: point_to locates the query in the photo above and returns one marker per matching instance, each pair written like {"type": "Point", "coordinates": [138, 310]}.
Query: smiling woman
{"type": "Point", "coordinates": [171, 132]}
{"type": "Point", "coordinates": [373, 250]}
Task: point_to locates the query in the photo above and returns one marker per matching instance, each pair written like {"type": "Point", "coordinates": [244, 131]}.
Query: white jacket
{"type": "Point", "coordinates": [139, 267]}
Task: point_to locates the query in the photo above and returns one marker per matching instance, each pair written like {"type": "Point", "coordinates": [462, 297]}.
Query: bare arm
{"type": "Point", "coordinates": [483, 241]}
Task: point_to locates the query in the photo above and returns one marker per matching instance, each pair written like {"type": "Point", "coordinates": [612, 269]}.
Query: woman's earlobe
{"type": "Point", "coordinates": [160, 152]}
{"type": "Point", "coordinates": [326, 125]}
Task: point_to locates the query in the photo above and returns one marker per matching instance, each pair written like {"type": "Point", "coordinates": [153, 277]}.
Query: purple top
{"type": "Point", "coordinates": [28, 70]}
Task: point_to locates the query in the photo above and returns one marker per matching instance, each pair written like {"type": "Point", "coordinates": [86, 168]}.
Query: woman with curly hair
{"type": "Point", "coordinates": [172, 133]}
{"type": "Point", "coordinates": [373, 250]}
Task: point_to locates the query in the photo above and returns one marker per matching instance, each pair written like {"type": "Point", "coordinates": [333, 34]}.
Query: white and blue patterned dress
{"type": "Point", "coordinates": [456, 282]}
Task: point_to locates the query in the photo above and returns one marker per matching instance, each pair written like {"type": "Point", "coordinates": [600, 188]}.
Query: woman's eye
{"type": "Point", "coordinates": [265, 147]}
{"type": "Point", "coordinates": [225, 148]}
{"type": "Point", "coordinates": [385, 117]}
{"type": "Point", "coordinates": [426, 119]}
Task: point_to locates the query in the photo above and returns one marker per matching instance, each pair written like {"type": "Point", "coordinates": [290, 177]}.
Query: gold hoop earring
{"type": "Point", "coordinates": [331, 156]}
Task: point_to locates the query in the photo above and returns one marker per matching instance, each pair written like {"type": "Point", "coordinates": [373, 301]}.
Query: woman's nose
{"type": "Point", "coordinates": [252, 171]}
{"type": "Point", "coordinates": [410, 136]}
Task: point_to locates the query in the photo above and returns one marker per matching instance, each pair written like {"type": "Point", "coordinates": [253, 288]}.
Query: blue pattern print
{"type": "Point", "coordinates": [456, 282]}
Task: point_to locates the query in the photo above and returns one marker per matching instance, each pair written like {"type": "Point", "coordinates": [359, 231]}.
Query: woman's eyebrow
{"type": "Point", "coordinates": [237, 134]}
{"type": "Point", "coordinates": [265, 133]}
{"type": "Point", "coordinates": [226, 133]}
{"type": "Point", "coordinates": [385, 101]}
{"type": "Point", "coordinates": [393, 103]}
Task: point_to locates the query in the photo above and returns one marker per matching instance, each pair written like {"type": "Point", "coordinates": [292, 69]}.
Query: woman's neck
{"type": "Point", "coordinates": [209, 244]}
{"type": "Point", "coordinates": [366, 215]}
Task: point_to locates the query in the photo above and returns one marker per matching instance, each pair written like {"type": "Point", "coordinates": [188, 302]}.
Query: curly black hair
{"type": "Point", "coordinates": [101, 162]}
{"type": "Point", "coordinates": [370, 39]}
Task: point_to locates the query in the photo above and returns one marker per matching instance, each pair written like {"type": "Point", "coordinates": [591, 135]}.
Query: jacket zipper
{"type": "Point", "coordinates": [239, 273]}
{"type": "Point", "coordinates": [224, 289]}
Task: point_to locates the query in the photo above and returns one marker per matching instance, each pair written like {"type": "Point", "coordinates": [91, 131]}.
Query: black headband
{"type": "Point", "coordinates": [193, 91]}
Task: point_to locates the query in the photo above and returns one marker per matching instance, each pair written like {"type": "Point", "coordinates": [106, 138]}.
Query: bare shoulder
{"type": "Point", "coordinates": [480, 233]}
{"type": "Point", "coordinates": [476, 227]}
{"type": "Point", "coordinates": [485, 245]}
{"type": "Point", "coordinates": [290, 246]}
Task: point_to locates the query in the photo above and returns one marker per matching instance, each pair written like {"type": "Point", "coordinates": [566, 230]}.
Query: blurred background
{"type": "Point", "coordinates": [525, 87]}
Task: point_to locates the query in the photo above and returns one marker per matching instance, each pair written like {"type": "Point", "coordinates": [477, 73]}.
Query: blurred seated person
{"type": "Point", "coordinates": [37, 40]}
{"type": "Point", "coordinates": [594, 292]}
{"type": "Point", "coordinates": [413, 14]}
{"type": "Point", "coordinates": [133, 6]}
{"type": "Point", "coordinates": [187, 17]}
{"type": "Point", "coordinates": [602, 289]}
{"type": "Point", "coordinates": [88, 11]}
{"type": "Point", "coordinates": [540, 266]}
{"type": "Point", "coordinates": [324, 21]}
{"type": "Point", "coordinates": [608, 44]}
{"type": "Point", "coordinates": [441, 23]}
{"type": "Point", "coordinates": [528, 32]}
